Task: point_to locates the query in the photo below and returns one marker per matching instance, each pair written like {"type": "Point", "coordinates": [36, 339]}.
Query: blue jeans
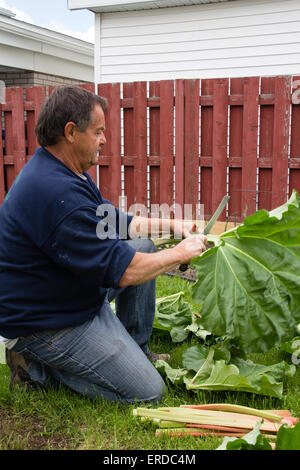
{"type": "Point", "coordinates": [106, 356]}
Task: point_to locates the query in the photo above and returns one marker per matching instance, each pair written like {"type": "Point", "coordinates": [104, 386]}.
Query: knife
{"type": "Point", "coordinates": [210, 224]}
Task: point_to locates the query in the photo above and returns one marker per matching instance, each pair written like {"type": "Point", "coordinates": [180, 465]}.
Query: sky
{"type": "Point", "coordinates": [55, 15]}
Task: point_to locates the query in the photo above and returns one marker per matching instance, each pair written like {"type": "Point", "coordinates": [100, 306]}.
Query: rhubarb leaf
{"type": "Point", "coordinates": [292, 347]}
{"type": "Point", "coordinates": [248, 284]}
{"type": "Point", "coordinates": [213, 373]}
{"type": "Point", "coordinates": [288, 438]}
{"type": "Point", "coordinates": [239, 376]}
{"type": "Point", "coordinates": [194, 357]}
{"type": "Point", "coordinates": [217, 376]}
{"type": "Point", "coordinates": [197, 329]}
{"type": "Point", "coordinates": [176, 376]}
{"type": "Point", "coordinates": [254, 440]}
{"type": "Point", "coordinates": [174, 315]}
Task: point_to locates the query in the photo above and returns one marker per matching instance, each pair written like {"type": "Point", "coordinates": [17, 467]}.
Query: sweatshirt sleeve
{"type": "Point", "coordinates": [123, 221]}
{"type": "Point", "coordinates": [88, 244]}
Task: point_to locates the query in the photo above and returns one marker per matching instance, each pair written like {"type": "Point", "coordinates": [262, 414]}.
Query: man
{"type": "Point", "coordinates": [58, 273]}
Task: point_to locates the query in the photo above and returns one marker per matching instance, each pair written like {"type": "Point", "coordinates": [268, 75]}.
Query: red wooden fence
{"type": "Point", "coordinates": [213, 137]}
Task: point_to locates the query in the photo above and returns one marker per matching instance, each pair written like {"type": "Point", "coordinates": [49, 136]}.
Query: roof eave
{"type": "Point", "coordinates": [112, 6]}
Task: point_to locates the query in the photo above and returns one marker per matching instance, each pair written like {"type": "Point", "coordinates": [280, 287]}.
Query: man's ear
{"type": "Point", "coordinates": [70, 131]}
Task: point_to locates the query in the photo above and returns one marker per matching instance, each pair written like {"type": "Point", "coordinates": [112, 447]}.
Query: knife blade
{"type": "Point", "coordinates": [210, 224]}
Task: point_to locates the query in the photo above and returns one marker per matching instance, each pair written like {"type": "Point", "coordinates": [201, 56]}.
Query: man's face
{"type": "Point", "coordinates": [88, 143]}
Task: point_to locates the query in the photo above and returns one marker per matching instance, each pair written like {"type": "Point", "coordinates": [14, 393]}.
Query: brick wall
{"type": "Point", "coordinates": [28, 79]}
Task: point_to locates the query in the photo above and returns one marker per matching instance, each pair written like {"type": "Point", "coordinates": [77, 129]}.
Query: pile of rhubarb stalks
{"type": "Point", "coordinates": [217, 419]}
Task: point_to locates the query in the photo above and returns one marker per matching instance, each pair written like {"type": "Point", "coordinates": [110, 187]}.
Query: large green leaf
{"type": "Point", "coordinates": [174, 315]}
{"type": "Point", "coordinates": [248, 284]}
{"type": "Point", "coordinates": [288, 438]}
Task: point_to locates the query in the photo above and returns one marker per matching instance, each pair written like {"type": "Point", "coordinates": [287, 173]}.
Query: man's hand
{"type": "Point", "coordinates": [191, 247]}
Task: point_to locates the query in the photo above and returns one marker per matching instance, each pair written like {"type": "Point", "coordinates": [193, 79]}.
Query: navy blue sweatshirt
{"type": "Point", "coordinates": [55, 269]}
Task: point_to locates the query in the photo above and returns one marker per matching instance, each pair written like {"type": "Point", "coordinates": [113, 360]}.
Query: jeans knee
{"type": "Point", "coordinates": [149, 246]}
{"type": "Point", "coordinates": [156, 390]}
{"type": "Point", "coordinates": [159, 393]}
{"type": "Point", "coordinates": [143, 245]}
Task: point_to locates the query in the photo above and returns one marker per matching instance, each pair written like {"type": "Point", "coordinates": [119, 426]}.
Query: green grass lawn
{"type": "Point", "coordinates": [57, 420]}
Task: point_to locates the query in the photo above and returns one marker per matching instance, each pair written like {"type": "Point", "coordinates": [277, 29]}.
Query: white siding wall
{"type": "Point", "coordinates": [234, 39]}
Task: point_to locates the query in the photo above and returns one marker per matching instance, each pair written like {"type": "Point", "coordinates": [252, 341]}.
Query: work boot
{"type": "Point", "coordinates": [19, 371]}
{"type": "Point", "coordinates": [153, 357]}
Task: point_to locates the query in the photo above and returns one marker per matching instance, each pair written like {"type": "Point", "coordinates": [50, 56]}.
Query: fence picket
{"type": "Point", "coordinates": [191, 162]}
{"type": "Point", "coordinates": [281, 140]}
{"type": "Point", "coordinates": [166, 142]}
{"type": "Point", "coordinates": [129, 136]}
{"type": "Point", "coordinates": [249, 158]}
{"type": "Point", "coordinates": [294, 162]}
{"type": "Point", "coordinates": [219, 156]}
{"type": "Point", "coordinates": [2, 179]}
{"type": "Point", "coordinates": [18, 130]}
{"type": "Point", "coordinates": [140, 133]}
{"type": "Point", "coordinates": [179, 147]}
{"type": "Point", "coordinates": [110, 165]}
{"type": "Point", "coordinates": [35, 97]}
{"type": "Point", "coordinates": [154, 107]}
{"type": "Point", "coordinates": [266, 145]}
{"type": "Point", "coordinates": [235, 152]}
{"type": "Point", "coordinates": [206, 146]}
